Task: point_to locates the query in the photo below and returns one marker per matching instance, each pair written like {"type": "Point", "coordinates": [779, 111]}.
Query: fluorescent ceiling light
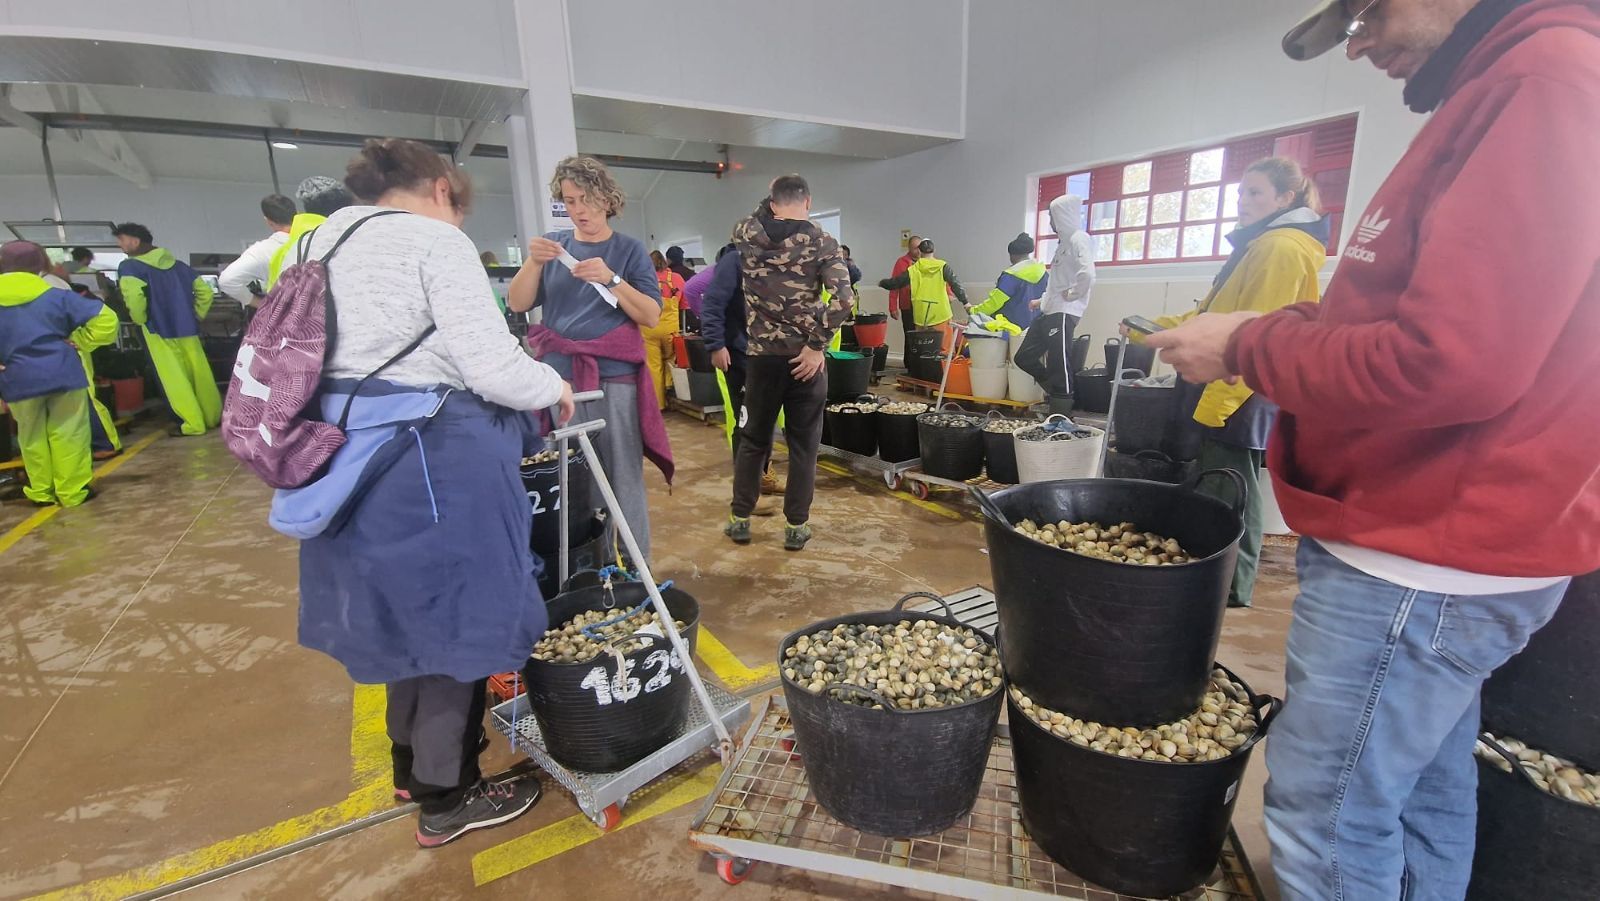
{"type": "Point", "coordinates": [286, 145]}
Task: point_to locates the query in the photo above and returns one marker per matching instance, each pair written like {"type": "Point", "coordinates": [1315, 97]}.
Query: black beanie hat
{"type": "Point", "coordinates": [1021, 245]}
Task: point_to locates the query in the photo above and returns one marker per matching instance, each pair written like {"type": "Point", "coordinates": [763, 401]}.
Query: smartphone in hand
{"type": "Point", "coordinates": [1141, 325]}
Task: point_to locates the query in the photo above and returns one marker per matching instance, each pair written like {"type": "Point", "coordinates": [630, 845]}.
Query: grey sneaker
{"type": "Point", "coordinates": [485, 805]}
{"type": "Point", "coordinates": [795, 537]}
{"type": "Point", "coordinates": [738, 529]}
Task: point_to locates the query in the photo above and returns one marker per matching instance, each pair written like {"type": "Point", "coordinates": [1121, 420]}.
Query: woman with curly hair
{"type": "Point", "coordinates": [594, 341]}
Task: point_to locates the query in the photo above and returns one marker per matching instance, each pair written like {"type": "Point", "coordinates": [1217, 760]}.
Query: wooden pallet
{"type": "Point", "coordinates": [707, 415]}
{"type": "Point", "coordinates": [929, 389]}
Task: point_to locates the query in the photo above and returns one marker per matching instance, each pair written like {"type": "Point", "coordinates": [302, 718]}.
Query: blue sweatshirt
{"type": "Point", "coordinates": [722, 320]}
{"type": "Point", "coordinates": [36, 321]}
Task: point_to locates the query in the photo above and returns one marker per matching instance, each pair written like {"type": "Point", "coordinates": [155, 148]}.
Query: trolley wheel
{"type": "Point", "coordinates": [892, 479]}
{"type": "Point", "coordinates": [919, 489]}
{"type": "Point", "coordinates": [608, 819]}
{"type": "Point", "coordinates": [734, 870]}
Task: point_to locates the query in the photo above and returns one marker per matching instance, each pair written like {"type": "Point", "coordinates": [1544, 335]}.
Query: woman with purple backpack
{"type": "Point", "coordinates": [415, 567]}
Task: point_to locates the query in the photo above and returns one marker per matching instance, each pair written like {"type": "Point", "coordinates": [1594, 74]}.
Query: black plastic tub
{"type": "Point", "coordinates": [699, 357]}
{"type": "Point", "coordinates": [849, 374]}
{"type": "Point", "coordinates": [543, 484]}
{"type": "Point", "coordinates": [951, 452]}
{"type": "Point", "coordinates": [891, 772]}
{"type": "Point", "coordinates": [591, 720]}
{"type": "Point", "coordinates": [1091, 389]}
{"type": "Point", "coordinates": [897, 436]}
{"type": "Point", "coordinates": [1137, 827]}
{"type": "Point", "coordinates": [1000, 457]}
{"type": "Point", "coordinates": [1136, 356]}
{"type": "Point", "coordinates": [1150, 465]}
{"type": "Point", "coordinates": [584, 552]}
{"type": "Point", "coordinates": [853, 431]}
{"type": "Point", "coordinates": [1144, 419]}
{"type": "Point", "coordinates": [1113, 642]}
{"type": "Point", "coordinates": [1545, 696]}
{"type": "Point", "coordinates": [922, 355]}
{"type": "Point", "coordinates": [1532, 844]}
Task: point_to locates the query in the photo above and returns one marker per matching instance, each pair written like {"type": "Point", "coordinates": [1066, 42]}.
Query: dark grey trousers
{"type": "Point", "coordinates": [435, 726]}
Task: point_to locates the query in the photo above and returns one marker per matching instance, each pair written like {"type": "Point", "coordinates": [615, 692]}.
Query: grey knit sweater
{"type": "Point", "coordinates": [398, 275]}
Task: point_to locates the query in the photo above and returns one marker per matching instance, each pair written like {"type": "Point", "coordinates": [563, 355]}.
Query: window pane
{"type": "Point", "coordinates": [1197, 240]}
{"type": "Point", "coordinates": [1202, 204]}
{"type": "Point", "coordinates": [1130, 245]}
{"type": "Point", "coordinates": [1230, 202]}
{"type": "Point", "coordinates": [1205, 167]}
{"type": "Point", "coordinates": [1166, 208]}
{"type": "Point", "coordinates": [1104, 245]}
{"type": "Point", "coordinates": [1079, 185]}
{"type": "Point", "coordinates": [1163, 244]}
{"type": "Point", "coordinates": [1136, 178]}
{"type": "Point", "coordinates": [1103, 216]}
{"type": "Point", "coordinates": [1044, 227]}
{"type": "Point", "coordinates": [1224, 246]}
{"type": "Point", "coordinates": [1135, 211]}
{"type": "Point", "coordinates": [1045, 250]}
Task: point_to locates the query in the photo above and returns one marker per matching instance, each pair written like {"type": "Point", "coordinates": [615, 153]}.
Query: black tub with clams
{"type": "Point", "coordinates": [1531, 844]}
{"type": "Point", "coordinates": [1139, 827]}
{"type": "Point", "coordinates": [951, 443]}
{"type": "Point", "coordinates": [891, 772]}
{"type": "Point", "coordinates": [853, 425]}
{"type": "Point", "coordinates": [897, 435]}
{"type": "Point", "coordinates": [1106, 641]}
{"type": "Point", "coordinates": [594, 720]}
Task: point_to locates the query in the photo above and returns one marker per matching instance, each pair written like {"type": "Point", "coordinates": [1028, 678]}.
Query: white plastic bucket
{"type": "Point", "coordinates": [1022, 387]}
{"type": "Point", "coordinates": [1015, 342]}
{"type": "Point", "coordinates": [680, 383]}
{"type": "Point", "coordinates": [988, 352]}
{"type": "Point", "coordinates": [1046, 461]}
{"type": "Point", "coordinates": [990, 384]}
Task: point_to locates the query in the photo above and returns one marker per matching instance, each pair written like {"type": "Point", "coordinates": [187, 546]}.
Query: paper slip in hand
{"type": "Point", "coordinates": [569, 261]}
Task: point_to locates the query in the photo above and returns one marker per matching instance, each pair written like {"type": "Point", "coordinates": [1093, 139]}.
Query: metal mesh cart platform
{"type": "Point", "coordinates": [762, 809]}
{"type": "Point", "coordinates": [601, 795]}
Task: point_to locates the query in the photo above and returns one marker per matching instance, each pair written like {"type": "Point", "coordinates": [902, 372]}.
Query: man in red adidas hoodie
{"type": "Point", "coordinates": [1439, 445]}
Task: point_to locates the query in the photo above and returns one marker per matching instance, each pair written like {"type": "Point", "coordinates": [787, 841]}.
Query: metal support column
{"type": "Point", "coordinates": [50, 175]}
{"type": "Point", "coordinates": [272, 163]}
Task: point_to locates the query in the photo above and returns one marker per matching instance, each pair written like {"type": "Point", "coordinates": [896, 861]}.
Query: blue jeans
{"type": "Point", "coordinates": [1373, 790]}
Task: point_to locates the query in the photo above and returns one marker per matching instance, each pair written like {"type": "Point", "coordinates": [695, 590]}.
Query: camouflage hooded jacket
{"type": "Point", "coordinates": [786, 264]}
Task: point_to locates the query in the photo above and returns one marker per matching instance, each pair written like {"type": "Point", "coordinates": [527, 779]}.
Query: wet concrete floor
{"type": "Point", "coordinates": [158, 718]}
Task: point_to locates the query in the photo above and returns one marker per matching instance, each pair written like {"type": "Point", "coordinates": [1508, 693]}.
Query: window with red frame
{"type": "Point", "coordinates": [1181, 205]}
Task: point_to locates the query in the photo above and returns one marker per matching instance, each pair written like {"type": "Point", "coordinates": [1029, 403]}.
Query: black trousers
{"type": "Point", "coordinates": [435, 725]}
{"type": "Point", "coordinates": [769, 388]}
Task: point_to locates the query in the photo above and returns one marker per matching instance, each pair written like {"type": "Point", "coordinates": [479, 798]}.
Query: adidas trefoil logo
{"type": "Point", "coordinates": [1371, 228]}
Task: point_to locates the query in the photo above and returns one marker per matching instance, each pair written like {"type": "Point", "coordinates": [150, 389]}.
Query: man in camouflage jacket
{"type": "Point", "coordinates": [797, 294]}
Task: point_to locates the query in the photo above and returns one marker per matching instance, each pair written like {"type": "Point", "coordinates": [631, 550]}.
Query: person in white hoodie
{"type": "Point", "coordinates": [252, 266]}
{"type": "Point", "coordinates": [1072, 268]}
{"type": "Point", "coordinates": [1044, 351]}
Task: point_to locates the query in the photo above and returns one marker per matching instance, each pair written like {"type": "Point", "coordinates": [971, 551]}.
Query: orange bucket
{"type": "Point", "coordinates": [680, 351]}
{"type": "Point", "coordinates": [960, 379]}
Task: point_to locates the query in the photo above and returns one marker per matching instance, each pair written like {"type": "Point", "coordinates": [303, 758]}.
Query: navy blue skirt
{"type": "Point", "coordinates": [431, 573]}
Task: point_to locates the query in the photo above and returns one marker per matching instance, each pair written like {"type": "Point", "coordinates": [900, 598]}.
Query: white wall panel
{"type": "Point", "coordinates": [894, 63]}
{"type": "Point", "coordinates": [1080, 82]}
{"type": "Point", "coordinates": [477, 40]}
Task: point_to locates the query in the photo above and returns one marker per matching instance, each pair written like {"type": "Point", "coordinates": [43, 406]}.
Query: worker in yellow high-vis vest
{"type": "Point", "coordinates": [320, 196]}
{"type": "Point", "coordinates": [932, 282]}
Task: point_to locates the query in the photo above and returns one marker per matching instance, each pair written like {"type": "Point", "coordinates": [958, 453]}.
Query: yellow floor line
{"type": "Point", "coordinates": [729, 668]}
{"type": "Point", "coordinates": [45, 514]}
{"type": "Point", "coordinates": [577, 830]}
{"type": "Point", "coordinates": [369, 751]}
{"type": "Point", "coordinates": [930, 506]}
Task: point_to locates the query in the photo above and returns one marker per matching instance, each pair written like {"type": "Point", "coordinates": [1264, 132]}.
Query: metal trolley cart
{"type": "Point", "coordinates": [708, 729]}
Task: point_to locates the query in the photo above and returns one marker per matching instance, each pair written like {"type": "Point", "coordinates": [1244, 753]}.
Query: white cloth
{"type": "Point", "coordinates": [398, 275]}
{"type": "Point", "coordinates": [251, 266]}
{"type": "Point", "coordinates": [1428, 577]}
{"type": "Point", "coordinates": [1072, 268]}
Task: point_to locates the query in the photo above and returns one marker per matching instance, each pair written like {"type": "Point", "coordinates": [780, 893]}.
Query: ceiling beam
{"type": "Point", "coordinates": [132, 171]}
{"type": "Point", "coordinates": [469, 140]}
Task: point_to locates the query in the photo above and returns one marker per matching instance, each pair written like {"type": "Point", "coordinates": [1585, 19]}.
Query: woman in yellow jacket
{"type": "Point", "coordinates": [1280, 246]}
{"type": "Point", "coordinates": [658, 352]}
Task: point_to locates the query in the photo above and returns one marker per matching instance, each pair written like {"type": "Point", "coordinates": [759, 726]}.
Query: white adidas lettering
{"type": "Point", "coordinates": [1369, 229]}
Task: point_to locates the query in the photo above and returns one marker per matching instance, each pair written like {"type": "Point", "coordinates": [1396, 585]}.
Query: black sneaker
{"type": "Point", "coordinates": [485, 805]}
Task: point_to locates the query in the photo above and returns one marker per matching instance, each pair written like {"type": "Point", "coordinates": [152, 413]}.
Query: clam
{"type": "Point", "coordinates": [568, 643]}
{"type": "Point", "coordinates": [1189, 740]}
{"type": "Point", "coordinates": [913, 664]}
{"type": "Point", "coordinates": [1550, 773]}
{"type": "Point", "coordinates": [1119, 543]}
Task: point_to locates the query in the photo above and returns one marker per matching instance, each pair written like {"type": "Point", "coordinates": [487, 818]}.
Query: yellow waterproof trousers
{"type": "Point", "coordinates": [187, 381]}
{"type": "Point", "coordinates": [659, 356]}
{"type": "Point", "coordinates": [54, 433]}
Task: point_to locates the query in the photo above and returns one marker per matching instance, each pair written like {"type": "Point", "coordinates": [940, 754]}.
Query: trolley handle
{"type": "Point", "coordinates": [865, 692]}
{"type": "Point", "coordinates": [586, 396]}
{"type": "Point", "coordinates": [899, 606]}
{"type": "Point", "coordinates": [988, 506]}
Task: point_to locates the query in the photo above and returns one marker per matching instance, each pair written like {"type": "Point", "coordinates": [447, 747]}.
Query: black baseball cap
{"type": "Point", "coordinates": [1324, 29]}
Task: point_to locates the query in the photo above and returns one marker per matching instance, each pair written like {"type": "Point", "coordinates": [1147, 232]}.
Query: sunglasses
{"type": "Point", "coordinates": [1360, 21]}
